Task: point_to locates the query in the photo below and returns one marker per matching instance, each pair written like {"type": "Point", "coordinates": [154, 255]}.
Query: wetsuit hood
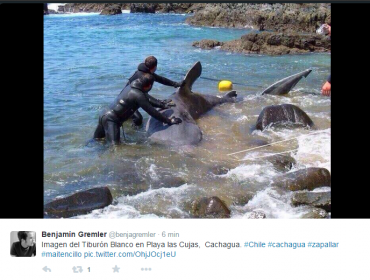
{"type": "Point", "coordinates": [142, 67]}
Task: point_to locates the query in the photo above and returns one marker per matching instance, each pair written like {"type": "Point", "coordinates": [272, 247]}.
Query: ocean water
{"type": "Point", "coordinates": [87, 61]}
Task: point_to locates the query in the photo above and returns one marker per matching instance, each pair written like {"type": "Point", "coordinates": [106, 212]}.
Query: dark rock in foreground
{"type": "Point", "coordinates": [282, 114]}
{"type": "Point", "coordinates": [282, 162]}
{"type": "Point", "coordinates": [316, 199]}
{"type": "Point", "coordinates": [271, 43]}
{"type": "Point", "coordinates": [112, 10]}
{"type": "Point", "coordinates": [79, 203]}
{"type": "Point", "coordinates": [304, 179]}
{"type": "Point", "coordinates": [209, 207]}
{"type": "Point", "coordinates": [219, 170]}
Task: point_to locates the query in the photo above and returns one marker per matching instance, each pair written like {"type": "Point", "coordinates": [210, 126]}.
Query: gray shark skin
{"type": "Point", "coordinates": [283, 114]}
{"type": "Point", "coordinates": [285, 85]}
{"type": "Point", "coordinates": [189, 107]}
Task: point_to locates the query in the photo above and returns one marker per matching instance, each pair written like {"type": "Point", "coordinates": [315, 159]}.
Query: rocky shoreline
{"type": "Point", "coordinates": [291, 27]}
{"type": "Point", "coordinates": [271, 43]}
{"type": "Point", "coordinates": [272, 17]}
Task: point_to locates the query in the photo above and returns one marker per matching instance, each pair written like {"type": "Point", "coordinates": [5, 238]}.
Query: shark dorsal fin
{"type": "Point", "coordinates": [193, 74]}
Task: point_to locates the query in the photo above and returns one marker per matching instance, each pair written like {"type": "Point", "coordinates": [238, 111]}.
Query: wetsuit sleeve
{"type": "Point", "coordinates": [143, 102]}
{"type": "Point", "coordinates": [155, 102]}
{"type": "Point", "coordinates": [163, 80]}
{"type": "Point", "coordinates": [329, 79]}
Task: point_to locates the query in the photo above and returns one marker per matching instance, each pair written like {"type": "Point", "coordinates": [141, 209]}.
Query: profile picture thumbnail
{"type": "Point", "coordinates": [23, 244]}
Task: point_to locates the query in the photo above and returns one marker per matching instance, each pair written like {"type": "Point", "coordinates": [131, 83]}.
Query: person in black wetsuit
{"type": "Point", "coordinates": [131, 98]}
{"type": "Point", "coordinates": [149, 67]}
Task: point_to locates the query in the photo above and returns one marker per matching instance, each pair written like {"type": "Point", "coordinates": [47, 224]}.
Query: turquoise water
{"type": "Point", "coordinates": [87, 61]}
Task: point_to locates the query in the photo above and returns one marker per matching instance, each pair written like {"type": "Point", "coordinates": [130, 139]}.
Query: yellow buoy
{"type": "Point", "coordinates": [225, 85]}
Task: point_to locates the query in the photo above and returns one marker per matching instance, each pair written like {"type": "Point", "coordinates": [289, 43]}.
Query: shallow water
{"type": "Point", "coordinates": [87, 60]}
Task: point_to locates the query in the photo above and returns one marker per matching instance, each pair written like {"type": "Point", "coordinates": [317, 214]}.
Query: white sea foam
{"type": "Point", "coordinates": [126, 205]}
{"type": "Point", "coordinates": [273, 204]}
{"type": "Point", "coordinates": [74, 14]}
{"type": "Point", "coordinates": [54, 6]}
{"type": "Point", "coordinates": [261, 173]}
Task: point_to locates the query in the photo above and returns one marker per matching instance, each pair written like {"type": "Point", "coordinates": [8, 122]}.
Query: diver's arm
{"type": "Point", "coordinates": [165, 81]}
{"type": "Point", "coordinates": [143, 102]}
{"type": "Point", "coordinates": [155, 102]}
{"type": "Point", "coordinates": [163, 104]}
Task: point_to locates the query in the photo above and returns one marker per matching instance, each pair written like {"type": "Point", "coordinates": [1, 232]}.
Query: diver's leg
{"type": "Point", "coordinates": [99, 131]}
{"type": "Point", "coordinates": [111, 131]}
{"type": "Point", "coordinates": [137, 118]}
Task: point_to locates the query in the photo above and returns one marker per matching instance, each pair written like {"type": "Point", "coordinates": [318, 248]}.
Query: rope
{"type": "Point", "coordinates": [216, 80]}
{"type": "Point", "coordinates": [255, 148]}
{"type": "Point", "coordinates": [270, 155]}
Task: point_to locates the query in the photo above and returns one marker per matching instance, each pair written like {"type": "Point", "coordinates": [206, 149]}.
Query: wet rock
{"type": "Point", "coordinates": [174, 7]}
{"type": "Point", "coordinates": [316, 199]}
{"type": "Point", "coordinates": [61, 9]}
{"type": "Point", "coordinates": [272, 43]}
{"type": "Point", "coordinates": [111, 10]}
{"type": "Point", "coordinates": [79, 203]}
{"type": "Point", "coordinates": [282, 162]}
{"type": "Point", "coordinates": [316, 213]}
{"type": "Point", "coordinates": [209, 207]}
{"type": "Point", "coordinates": [168, 182]}
{"type": "Point", "coordinates": [304, 179]}
{"type": "Point", "coordinates": [256, 215]}
{"type": "Point", "coordinates": [243, 199]}
{"type": "Point", "coordinates": [219, 170]}
{"type": "Point", "coordinates": [143, 8]}
{"type": "Point", "coordinates": [206, 44]}
{"type": "Point", "coordinates": [282, 114]}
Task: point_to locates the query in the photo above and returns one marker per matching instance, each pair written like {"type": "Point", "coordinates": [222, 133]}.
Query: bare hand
{"type": "Point", "coordinates": [326, 89]}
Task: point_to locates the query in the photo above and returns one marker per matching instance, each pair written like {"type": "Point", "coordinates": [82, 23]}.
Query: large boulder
{"type": "Point", "coordinates": [143, 8]}
{"type": "Point", "coordinates": [174, 7]}
{"type": "Point", "coordinates": [282, 163]}
{"type": "Point", "coordinates": [111, 10]}
{"type": "Point", "coordinates": [209, 207]}
{"type": "Point", "coordinates": [79, 203]}
{"type": "Point", "coordinates": [283, 114]}
{"type": "Point", "coordinates": [207, 44]}
{"type": "Point", "coordinates": [304, 179]}
{"type": "Point", "coordinates": [316, 199]}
